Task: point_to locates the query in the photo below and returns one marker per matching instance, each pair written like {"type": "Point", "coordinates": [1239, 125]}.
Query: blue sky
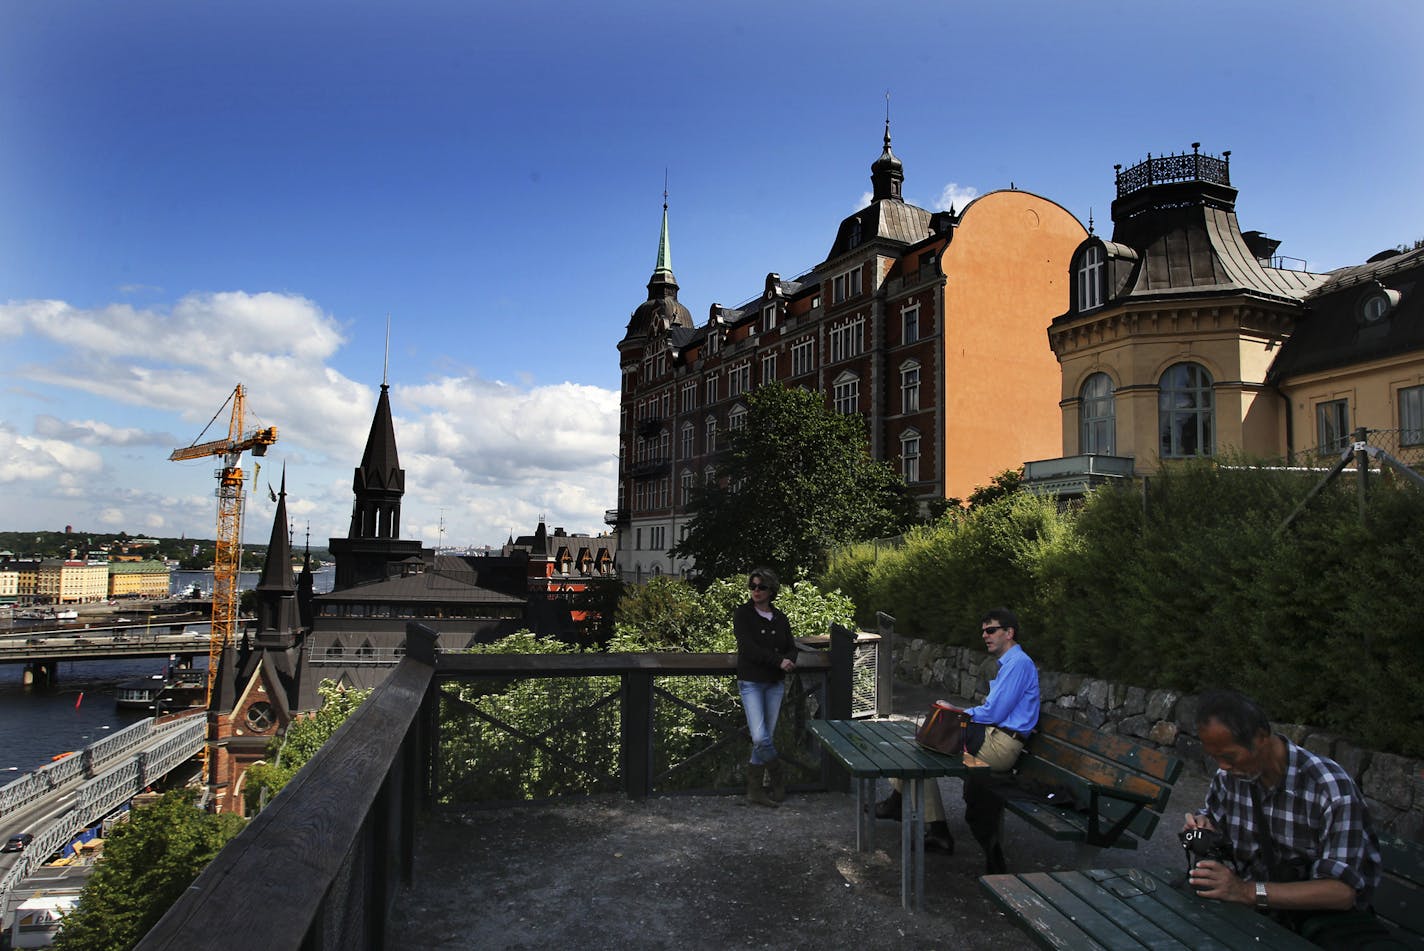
{"type": "Point", "coordinates": [194, 195]}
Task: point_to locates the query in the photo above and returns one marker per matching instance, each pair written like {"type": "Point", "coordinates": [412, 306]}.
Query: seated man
{"type": "Point", "coordinates": [998, 729]}
{"type": "Point", "coordinates": [1296, 825]}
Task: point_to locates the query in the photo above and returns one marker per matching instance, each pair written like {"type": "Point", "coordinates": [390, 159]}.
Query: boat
{"type": "Point", "coordinates": [179, 689]}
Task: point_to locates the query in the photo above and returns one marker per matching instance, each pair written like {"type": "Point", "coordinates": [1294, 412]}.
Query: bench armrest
{"type": "Point", "coordinates": [1096, 834]}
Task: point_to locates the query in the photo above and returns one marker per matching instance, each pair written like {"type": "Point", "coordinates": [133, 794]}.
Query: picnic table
{"type": "Point", "coordinates": [875, 749]}
{"type": "Point", "coordinates": [1131, 908]}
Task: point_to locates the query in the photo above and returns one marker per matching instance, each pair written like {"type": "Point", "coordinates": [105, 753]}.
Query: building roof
{"type": "Point", "coordinates": [441, 586]}
{"type": "Point", "coordinates": [1335, 329]}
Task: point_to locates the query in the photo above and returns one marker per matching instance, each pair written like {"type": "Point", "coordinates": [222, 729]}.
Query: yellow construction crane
{"type": "Point", "coordinates": [229, 538]}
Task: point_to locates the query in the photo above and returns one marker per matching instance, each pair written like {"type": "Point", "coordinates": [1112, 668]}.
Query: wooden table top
{"type": "Point", "coordinates": [887, 748]}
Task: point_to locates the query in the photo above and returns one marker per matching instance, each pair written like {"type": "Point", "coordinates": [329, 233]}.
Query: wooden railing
{"type": "Point", "coordinates": [321, 866]}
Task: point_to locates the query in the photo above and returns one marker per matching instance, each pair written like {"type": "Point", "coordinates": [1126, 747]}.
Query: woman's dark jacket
{"type": "Point", "coordinates": [761, 644]}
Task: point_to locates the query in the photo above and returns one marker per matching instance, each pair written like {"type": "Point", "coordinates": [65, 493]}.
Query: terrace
{"type": "Point", "coordinates": [374, 845]}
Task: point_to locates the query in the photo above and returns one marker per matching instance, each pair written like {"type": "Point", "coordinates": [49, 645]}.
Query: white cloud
{"type": "Point", "coordinates": [105, 389]}
{"type": "Point", "coordinates": [956, 196]}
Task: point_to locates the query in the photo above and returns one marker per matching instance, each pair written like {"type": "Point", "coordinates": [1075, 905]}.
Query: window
{"type": "Point", "coordinates": [689, 397]}
{"type": "Point", "coordinates": [711, 445]}
{"type": "Point", "coordinates": [657, 537]}
{"type": "Point", "coordinates": [1411, 416]}
{"type": "Point", "coordinates": [803, 357]}
{"type": "Point", "coordinates": [1090, 278]}
{"type": "Point", "coordinates": [664, 492]}
{"type": "Point", "coordinates": [261, 717]}
{"type": "Point", "coordinates": [714, 341]}
{"type": "Point", "coordinates": [1332, 426]}
{"type": "Point", "coordinates": [768, 368]}
{"type": "Point", "coordinates": [927, 266]}
{"type": "Point", "coordinates": [737, 418]}
{"type": "Point", "coordinates": [768, 317]}
{"type": "Point", "coordinates": [910, 455]}
{"type": "Point", "coordinates": [665, 404]}
{"type": "Point", "coordinates": [846, 340]}
{"type": "Point", "coordinates": [846, 394]}
{"type": "Point", "coordinates": [686, 486]}
{"type": "Point", "coordinates": [711, 390]}
{"type": "Point", "coordinates": [685, 452]}
{"type": "Point", "coordinates": [662, 363]}
{"type": "Point", "coordinates": [912, 324]}
{"type": "Point", "coordinates": [1186, 412]}
{"type": "Point", "coordinates": [910, 387]}
{"type": "Point", "coordinates": [664, 443]}
{"type": "Point", "coordinates": [845, 286]}
{"type": "Point", "coordinates": [637, 539]}
{"type": "Point", "coordinates": [739, 379]}
{"type": "Point", "coordinates": [815, 301]}
{"type": "Point", "coordinates": [1097, 423]}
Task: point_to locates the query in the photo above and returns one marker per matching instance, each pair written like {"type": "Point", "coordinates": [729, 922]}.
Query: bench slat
{"type": "Point", "coordinates": [1143, 824]}
{"type": "Point", "coordinates": [1119, 749]}
{"type": "Point", "coordinates": [1049, 927]}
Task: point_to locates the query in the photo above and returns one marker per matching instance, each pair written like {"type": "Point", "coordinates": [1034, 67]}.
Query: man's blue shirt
{"type": "Point", "coordinates": [1013, 701]}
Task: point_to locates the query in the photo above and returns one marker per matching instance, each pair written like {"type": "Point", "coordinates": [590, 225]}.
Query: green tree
{"type": "Point", "coordinates": [148, 862]}
{"type": "Point", "coordinates": [288, 753]}
{"type": "Point", "coordinates": [797, 481]}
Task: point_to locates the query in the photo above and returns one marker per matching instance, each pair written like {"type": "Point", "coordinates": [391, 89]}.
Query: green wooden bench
{"type": "Point", "coordinates": [1399, 900]}
{"type": "Point", "coordinates": [1118, 788]}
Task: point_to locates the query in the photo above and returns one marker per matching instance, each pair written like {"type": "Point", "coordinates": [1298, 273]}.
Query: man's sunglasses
{"type": "Point", "coordinates": [992, 630]}
{"type": "Point", "coordinates": [759, 587]}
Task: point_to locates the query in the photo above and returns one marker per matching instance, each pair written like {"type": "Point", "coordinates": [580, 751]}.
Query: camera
{"type": "Point", "coordinates": [1201, 844]}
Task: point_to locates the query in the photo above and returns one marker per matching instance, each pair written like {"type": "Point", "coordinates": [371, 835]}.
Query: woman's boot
{"type": "Point", "coordinates": [776, 769]}
{"type": "Point", "coordinates": [756, 793]}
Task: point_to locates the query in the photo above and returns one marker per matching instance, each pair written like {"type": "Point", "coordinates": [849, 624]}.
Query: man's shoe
{"type": "Point", "coordinates": [938, 838]}
{"type": "Point", "coordinates": [889, 807]}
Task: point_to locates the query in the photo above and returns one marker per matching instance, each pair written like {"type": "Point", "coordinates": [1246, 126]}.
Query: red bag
{"type": "Point", "coordinates": [942, 729]}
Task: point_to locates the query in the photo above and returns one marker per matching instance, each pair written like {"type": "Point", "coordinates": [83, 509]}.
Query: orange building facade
{"type": "Point", "coordinates": [930, 325]}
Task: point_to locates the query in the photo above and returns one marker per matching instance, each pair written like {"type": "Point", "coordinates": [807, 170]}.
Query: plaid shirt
{"type": "Point", "coordinates": [1316, 814]}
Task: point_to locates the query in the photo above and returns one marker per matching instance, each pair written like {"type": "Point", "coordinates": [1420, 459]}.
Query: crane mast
{"type": "Point", "coordinates": [226, 563]}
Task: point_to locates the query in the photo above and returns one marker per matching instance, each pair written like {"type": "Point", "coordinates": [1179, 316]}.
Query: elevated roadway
{"type": "Point", "coordinates": [57, 802]}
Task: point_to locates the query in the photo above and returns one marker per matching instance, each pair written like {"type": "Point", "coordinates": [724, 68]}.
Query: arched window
{"type": "Point", "coordinates": [1098, 426]}
{"type": "Point", "coordinates": [1186, 412]}
{"type": "Point", "coordinates": [1090, 278]}
{"type": "Point", "coordinates": [737, 418]}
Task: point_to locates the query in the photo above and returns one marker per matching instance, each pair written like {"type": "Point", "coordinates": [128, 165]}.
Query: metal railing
{"type": "Point", "coordinates": [327, 857]}
{"type": "Point", "coordinates": [1195, 167]}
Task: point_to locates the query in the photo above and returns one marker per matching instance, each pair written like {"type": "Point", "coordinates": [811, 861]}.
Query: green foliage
{"type": "Point", "coordinates": [555, 736]}
{"type": "Point", "coordinates": [797, 482]}
{"type": "Point", "coordinates": [1189, 582]}
{"type": "Point", "coordinates": [148, 862]}
{"type": "Point", "coordinates": [288, 753]}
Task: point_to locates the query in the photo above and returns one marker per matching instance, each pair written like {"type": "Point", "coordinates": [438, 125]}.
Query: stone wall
{"type": "Point", "coordinates": [1393, 785]}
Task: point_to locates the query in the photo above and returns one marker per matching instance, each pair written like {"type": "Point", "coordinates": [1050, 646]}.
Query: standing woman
{"type": "Point", "coordinates": [765, 655]}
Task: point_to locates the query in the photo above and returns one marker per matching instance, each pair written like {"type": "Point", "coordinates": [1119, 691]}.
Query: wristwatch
{"type": "Point", "coordinates": [1261, 901]}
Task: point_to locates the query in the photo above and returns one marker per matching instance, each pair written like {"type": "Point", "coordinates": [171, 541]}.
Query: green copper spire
{"type": "Point", "coordinates": [664, 248]}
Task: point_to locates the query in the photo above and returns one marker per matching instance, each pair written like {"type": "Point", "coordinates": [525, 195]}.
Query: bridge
{"type": "Point", "coordinates": [59, 801]}
{"type": "Point", "coordinates": [41, 650]}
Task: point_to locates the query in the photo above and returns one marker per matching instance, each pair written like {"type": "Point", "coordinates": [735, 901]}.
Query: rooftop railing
{"type": "Point", "coordinates": [1195, 167]}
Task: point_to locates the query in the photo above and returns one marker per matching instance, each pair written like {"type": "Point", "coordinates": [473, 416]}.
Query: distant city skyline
{"type": "Point", "coordinates": [194, 196]}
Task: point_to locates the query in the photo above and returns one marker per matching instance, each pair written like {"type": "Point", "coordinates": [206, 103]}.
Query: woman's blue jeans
{"type": "Point", "coordinates": [762, 702]}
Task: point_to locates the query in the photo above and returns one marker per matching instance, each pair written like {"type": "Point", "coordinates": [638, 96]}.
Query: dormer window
{"type": "Point", "coordinates": [768, 317]}
{"type": "Point", "coordinates": [855, 234]}
{"type": "Point", "coordinates": [1090, 278]}
{"type": "Point", "coordinates": [1377, 303]}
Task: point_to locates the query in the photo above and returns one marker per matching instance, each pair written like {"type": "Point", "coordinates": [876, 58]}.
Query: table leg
{"type": "Point", "coordinates": [912, 845]}
{"type": "Point", "coordinates": [865, 814]}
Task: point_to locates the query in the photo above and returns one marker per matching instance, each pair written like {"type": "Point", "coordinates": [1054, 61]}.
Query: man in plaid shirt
{"type": "Point", "coordinates": [1296, 823]}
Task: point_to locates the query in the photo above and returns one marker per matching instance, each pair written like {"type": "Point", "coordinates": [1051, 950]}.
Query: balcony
{"type": "Point", "coordinates": [651, 468]}
{"type": "Point", "coordinates": [1074, 476]}
{"type": "Point", "coordinates": [616, 517]}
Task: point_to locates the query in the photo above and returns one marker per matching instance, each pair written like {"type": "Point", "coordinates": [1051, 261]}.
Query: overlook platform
{"type": "Point", "coordinates": [707, 872]}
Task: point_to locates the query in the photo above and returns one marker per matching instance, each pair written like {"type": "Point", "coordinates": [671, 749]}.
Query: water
{"type": "Point", "coordinates": [36, 724]}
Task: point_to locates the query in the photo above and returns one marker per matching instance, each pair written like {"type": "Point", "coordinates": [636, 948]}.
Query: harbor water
{"type": "Point", "coordinates": [37, 724]}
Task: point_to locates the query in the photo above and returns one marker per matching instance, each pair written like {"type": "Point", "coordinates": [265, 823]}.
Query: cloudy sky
{"type": "Point", "coordinates": [196, 195]}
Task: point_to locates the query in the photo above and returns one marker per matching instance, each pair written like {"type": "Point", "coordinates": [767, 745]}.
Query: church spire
{"type": "Point", "coordinates": [664, 264]}
{"type": "Point", "coordinates": [887, 174]}
{"type": "Point", "coordinates": [379, 481]}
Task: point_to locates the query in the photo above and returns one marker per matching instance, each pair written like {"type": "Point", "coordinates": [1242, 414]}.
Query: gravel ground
{"type": "Point", "coordinates": [710, 872]}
